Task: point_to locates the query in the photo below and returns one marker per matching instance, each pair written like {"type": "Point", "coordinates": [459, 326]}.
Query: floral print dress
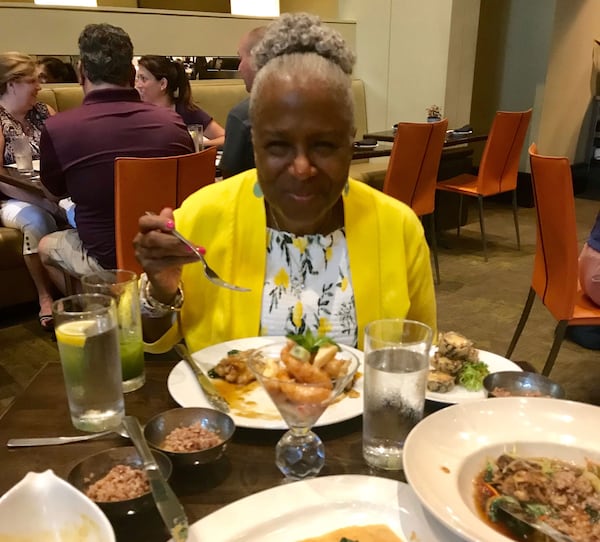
{"type": "Point", "coordinates": [308, 286]}
{"type": "Point", "coordinates": [11, 128]}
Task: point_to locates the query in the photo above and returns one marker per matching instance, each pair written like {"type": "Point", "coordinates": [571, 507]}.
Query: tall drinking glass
{"type": "Point", "coordinates": [23, 155]}
{"type": "Point", "coordinates": [88, 343]}
{"type": "Point", "coordinates": [396, 367]}
{"type": "Point", "coordinates": [197, 134]}
{"type": "Point", "coordinates": [122, 286]}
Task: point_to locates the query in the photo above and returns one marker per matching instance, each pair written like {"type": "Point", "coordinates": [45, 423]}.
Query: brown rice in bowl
{"type": "Point", "coordinates": [190, 436]}
{"type": "Point", "coordinates": [116, 480]}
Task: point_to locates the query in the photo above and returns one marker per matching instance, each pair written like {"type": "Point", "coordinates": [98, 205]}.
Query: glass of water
{"type": "Point", "coordinates": [395, 383]}
{"type": "Point", "coordinates": [88, 344]}
{"type": "Point", "coordinates": [23, 155]}
{"type": "Point", "coordinates": [197, 134]}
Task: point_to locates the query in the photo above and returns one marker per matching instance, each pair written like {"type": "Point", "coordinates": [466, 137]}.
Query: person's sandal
{"type": "Point", "coordinates": [47, 322]}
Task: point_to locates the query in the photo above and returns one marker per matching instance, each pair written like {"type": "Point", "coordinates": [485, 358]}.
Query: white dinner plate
{"type": "Point", "coordinates": [445, 451]}
{"type": "Point", "coordinates": [184, 388]}
{"type": "Point", "coordinates": [36, 165]}
{"type": "Point", "coordinates": [314, 507]}
{"type": "Point", "coordinates": [458, 394]}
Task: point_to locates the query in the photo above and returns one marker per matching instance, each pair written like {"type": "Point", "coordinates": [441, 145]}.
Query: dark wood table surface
{"type": "Point", "coordinates": [451, 140]}
{"type": "Point", "coordinates": [11, 176]}
{"type": "Point", "coordinates": [248, 465]}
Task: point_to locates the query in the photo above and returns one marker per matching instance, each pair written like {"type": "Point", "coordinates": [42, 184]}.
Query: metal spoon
{"type": "Point", "coordinates": [54, 441]}
{"type": "Point", "coordinates": [519, 514]}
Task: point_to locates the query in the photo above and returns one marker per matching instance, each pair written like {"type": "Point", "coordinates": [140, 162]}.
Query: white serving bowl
{"type": "Point", "coordinates": [445, 451]}
{"type": "Point", "coordinates": [44, 508]}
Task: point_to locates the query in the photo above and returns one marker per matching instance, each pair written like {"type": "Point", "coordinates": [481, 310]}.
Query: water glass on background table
{"type": "Point", "coordinates": [23, 155]}
{"type": "Point", "coordinates": [122, 285]}
{"type": "Point", "coordinates": [197, 134]}
{"type": "Point", "coordinates": [396, 368]}
{"type": "Point", "coordinates": [88, 343]}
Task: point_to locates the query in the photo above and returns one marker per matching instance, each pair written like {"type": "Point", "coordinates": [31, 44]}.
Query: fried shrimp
{"type": "Point", "coordinates": [305, 393]}
{"type": "Point", "coordinates": [304, 371]}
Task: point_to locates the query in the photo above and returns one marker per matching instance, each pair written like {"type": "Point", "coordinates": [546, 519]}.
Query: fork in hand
{"type": "Point", "coordinates": [208, 271]}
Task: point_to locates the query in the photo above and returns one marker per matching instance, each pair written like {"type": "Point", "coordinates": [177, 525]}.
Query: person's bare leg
{"type": "Point", "coordinates": [42, 282]}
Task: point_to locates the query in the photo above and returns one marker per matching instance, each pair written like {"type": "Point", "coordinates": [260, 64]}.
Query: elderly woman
{"type": "Point", "coordinates": [21, 114]}
{"type": "Point", "coordinates": [318, 250]}
{"type": "Point", "coordinates": [162, 81]}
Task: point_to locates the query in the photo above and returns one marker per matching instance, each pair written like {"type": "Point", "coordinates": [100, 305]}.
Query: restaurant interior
{"type": "Point", "coordinates": [471, 57]}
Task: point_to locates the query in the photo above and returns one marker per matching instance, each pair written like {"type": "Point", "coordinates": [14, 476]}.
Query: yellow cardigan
{"type": "Point", "coordinates": [389, 262]}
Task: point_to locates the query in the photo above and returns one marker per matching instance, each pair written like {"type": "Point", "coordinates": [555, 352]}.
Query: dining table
{"type": "Point", "coordinates": [247, 466]}
{"type": "Point", "coordinates": [453, 138]}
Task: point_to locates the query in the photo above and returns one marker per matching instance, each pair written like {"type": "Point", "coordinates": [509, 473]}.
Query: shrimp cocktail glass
{"type": "Point", "coordinates": [302, 381]}
{"type": "Point", "coordinates": [88, 343]}
{"type": "Point", "coordinates": [122, 286]}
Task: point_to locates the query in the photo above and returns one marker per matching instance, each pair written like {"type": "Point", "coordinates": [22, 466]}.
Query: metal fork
{"type": "Point", "coordinates": [208, 271]}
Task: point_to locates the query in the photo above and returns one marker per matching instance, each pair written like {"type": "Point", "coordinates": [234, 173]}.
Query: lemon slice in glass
{"type": "Point", "coordinates": [74, 333]}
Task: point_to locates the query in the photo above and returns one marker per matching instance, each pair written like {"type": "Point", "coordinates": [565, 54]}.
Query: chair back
{"type": "Point", "coordinates": [195, 171]}
{"type": "Point", "coordinates": [411, 176]}
{"type": "Point", "coordinates": [555, 271]}
{"type": "Point", "coordinates": [141, 184]}
{"type": "Point", "coordinates": [149, 184]}
{"type": "Point", "coordinates": [500, 161]}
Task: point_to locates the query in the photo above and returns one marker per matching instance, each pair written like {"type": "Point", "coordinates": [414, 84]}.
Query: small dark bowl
{"type": "Point", "coordinates": [94, 467]}
{"type": "Point", "coordinates": [157, 429]}
{"type": "Point", "coordinates": [523, 384]}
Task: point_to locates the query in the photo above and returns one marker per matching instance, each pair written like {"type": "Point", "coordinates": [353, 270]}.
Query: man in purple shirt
{"type": "Point", "coordinates": [78, 150]}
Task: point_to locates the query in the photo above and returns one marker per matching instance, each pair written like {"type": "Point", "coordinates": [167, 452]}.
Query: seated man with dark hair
{"type": "Point", "coordinates": [78, 150]}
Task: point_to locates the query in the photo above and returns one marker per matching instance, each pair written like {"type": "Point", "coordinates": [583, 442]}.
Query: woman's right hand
{"type": "Point", "coordinates": [161, 254]}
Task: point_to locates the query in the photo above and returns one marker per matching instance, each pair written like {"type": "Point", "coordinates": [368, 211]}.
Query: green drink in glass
{"type": "Point", "coordinates": [122, 286]}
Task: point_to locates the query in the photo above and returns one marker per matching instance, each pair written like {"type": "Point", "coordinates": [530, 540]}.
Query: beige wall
{"type": "Point", "coordinates": [570, 81]}
{"type": "Point", "coordinates": [412, 54]}
{"type": "Point", "coordinates": [326, 9]}
{"type": "Point", "coordinates": [181, 33]}
{"type": "Point", "coordinates": [538, 53]}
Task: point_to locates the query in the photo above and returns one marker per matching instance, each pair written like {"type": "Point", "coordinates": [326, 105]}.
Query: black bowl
{"type": "Point", "coordinates": [94, 467]}
{"type": "Point", "coordinates": [522, 383]}
{"type": "Point", "coordinates": [157, 429]}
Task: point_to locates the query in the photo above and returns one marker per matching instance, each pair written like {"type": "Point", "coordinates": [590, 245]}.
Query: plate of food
{"type": "Point", "coordinates": [458, 369]}
{"type": "Point", "coordinates": [538, 453]}
{"type": "Point", "coordinates": [323, 509]}
{"type": "Point", "coordinates": [249, 402]}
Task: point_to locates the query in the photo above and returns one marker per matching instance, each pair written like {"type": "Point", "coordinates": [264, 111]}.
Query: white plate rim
{"type": "Point", "coordinates": [495, 363]}
{"type": "Point", "coordinates": [463, 430]}
{"type": "Point", "coordinates": [184, 389]}
{"type": "Point", "coordinates": [260, 512]}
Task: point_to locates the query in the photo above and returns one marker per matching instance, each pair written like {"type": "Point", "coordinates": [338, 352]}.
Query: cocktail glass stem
{"type": "Point", "coordinates": [299, 454]}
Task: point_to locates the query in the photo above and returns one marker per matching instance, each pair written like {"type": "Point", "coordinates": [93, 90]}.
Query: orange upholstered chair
{"type": "Point", "coordinates": [411, 176]}
{"type": "Point", "coordinates": [195, 171]}
{"type": "Point", "coordinates": [149, 184]}
{"type": "Point", "coordinates": [498, 168]}
{"type": "Point", "coordinates": [555, 268]}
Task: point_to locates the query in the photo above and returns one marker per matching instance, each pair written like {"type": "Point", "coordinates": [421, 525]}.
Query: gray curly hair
{"type": "Point", "coordinates": [303, 33]}
{"type": "Point", "coordinates": [298, 45]}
